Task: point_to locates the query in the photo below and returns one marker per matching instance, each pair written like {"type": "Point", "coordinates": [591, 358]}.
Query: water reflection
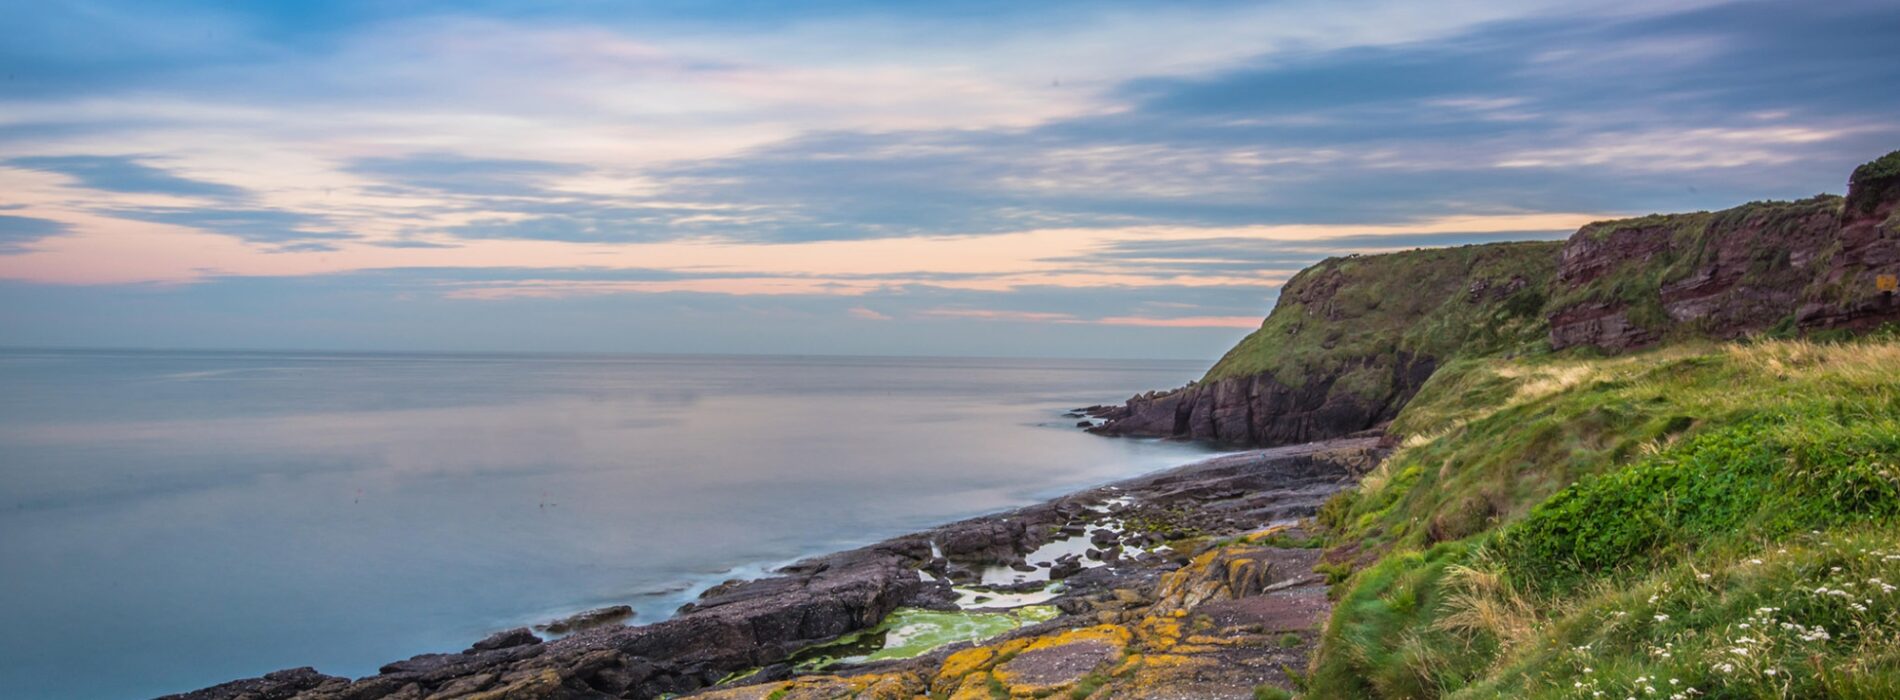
{"type": "Point", "coordinates": [201, 516]}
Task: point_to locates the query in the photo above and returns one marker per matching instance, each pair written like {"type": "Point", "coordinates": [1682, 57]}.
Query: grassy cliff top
{"type": "Point", "coordinates": [1558, 525]}
{"type": "Point", "coordinates": [1439, 302]}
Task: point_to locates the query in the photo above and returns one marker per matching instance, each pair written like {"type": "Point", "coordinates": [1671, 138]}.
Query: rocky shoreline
{"type": "Point", "coordinates": [1101, 556]}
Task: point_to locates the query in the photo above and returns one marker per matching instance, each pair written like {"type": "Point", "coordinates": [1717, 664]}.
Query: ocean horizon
{"type": "Point", "coordinates": [203, 515]}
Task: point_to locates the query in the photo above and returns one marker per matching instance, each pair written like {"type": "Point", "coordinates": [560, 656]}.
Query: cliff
{"type": "Point", "coordinates": [1764, 267]}
{"type": "Point", "coordinates": [1349, 342]}
{"type": "Point", "coordinates": [1352, 339]}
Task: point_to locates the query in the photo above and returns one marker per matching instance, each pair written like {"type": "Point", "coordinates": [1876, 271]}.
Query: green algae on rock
{"type": "Point", "coordinates": [912, 632]}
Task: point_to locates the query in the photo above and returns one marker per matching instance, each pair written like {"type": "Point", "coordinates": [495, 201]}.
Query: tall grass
{"type": "Point", "coordinates": [1531, 496]}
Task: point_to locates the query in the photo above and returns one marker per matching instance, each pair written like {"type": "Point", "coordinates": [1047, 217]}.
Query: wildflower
{"type": "Point", "coordinates": [1769, 672]}
{"type": "Point", "coordinates": [1662, 618]}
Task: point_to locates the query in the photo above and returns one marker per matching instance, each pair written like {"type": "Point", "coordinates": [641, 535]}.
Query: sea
{"type": "Point", "coordinates": [175, 519]}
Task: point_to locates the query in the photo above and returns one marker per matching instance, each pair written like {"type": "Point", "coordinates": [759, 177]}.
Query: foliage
{"type": "Point", "coordinates": [1758, 478]}
{"type": "Point", "coordinates": [1607, 480]}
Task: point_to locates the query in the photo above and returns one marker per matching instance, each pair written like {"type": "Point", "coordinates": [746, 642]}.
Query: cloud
{"type": "Point", "coordinates": [1247, 322]}
{"type": "Point", "coordinates": [450, 173]}
{"type": "Point", "coordinates": [273, 226]}
{"type": "Point", "coordinates": [1088, 168]}
{"type": "Point", "coordinates": [18, 231]}
{"type": "Point", "coordinates": [867, 314]}
{"type": "Point", "coordinates": [1001, 315]}
{"type": "Point", "coordinates": [124, 174]}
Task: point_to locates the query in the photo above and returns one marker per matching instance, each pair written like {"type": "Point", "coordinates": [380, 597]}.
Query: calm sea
{"type": "Point", "coordinates": [170, 520]}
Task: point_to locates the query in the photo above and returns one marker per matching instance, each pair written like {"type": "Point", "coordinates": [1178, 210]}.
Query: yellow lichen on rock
{"type": "Point", "coordinates": [975, 686]}
{"type": "Point", "coordinates": [872, 686]}
{"type": "Point", "coordinates": [1112, 634]}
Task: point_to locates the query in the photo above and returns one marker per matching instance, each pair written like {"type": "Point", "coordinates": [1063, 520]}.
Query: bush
{"type": "Point", "coordinates": [1759, 478]}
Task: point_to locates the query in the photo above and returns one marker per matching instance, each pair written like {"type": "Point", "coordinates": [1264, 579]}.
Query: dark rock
{"type": "Point", "coordinates": [279, 685]}
{"type": "Point", "coordinates": [597, 617]}
{"type": "Point", "coordinates": [1260, 410]}
{"type": "Point", "coordinates": [1065, 567]}
{"type": "Point", "coordinates": [741, 625]}
{"type": "Point", "coordinates": [519, 636]}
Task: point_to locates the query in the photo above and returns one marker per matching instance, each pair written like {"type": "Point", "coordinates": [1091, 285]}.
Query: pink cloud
{"type": "Point", "coordinates": [1002, 315]}
{"type": "Point", "coordinates": [1248, 322]}
{"type": "Point", "coordinates": [868, 314]}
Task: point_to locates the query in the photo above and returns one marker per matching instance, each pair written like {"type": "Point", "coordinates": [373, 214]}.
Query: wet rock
{"type": "Point", "coordinates": [1065, 567]}
{"type": "Point", "coordinates": [519, 636]}
{"type": "Point", "coordinates": [279, 685]}
{"type": "Point", "coordinates": [592, 618]}
{"type": "Point", "coordinates": [742, 625]}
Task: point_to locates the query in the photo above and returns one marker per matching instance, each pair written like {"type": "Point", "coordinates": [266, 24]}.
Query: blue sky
{"type": "Point", "coordinates": [1114, 179]}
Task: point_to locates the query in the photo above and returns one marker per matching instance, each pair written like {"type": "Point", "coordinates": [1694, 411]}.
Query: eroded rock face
{"type": "Point", "coordinates": [1261, 410]}
{"type": "Point", "coordinates": [1790, 267]}
{"type": "Point", "coordinates": [1350, 340]}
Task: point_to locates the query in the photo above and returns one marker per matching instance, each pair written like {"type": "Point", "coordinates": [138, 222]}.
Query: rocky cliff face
{"type": "Point", "coordinates": [1350, 341]}
{"type": "Point", "coordinates": [1777, 267]}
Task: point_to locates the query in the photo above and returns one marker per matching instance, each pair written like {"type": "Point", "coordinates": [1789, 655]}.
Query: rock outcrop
{"type": "Point", "coordinates": [1818, 264]}
{"type": "Point", "coordinates": [1350, 341]}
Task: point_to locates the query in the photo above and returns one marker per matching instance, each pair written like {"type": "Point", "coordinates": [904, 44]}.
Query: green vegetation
{"type": "Point", "coordinates": [1717, 517]}
{"type": "Point", "coordinates": [912, 632]}
{"type": "Point", "coordinates": [1267, 692]}
{"type": "Point", "coordinates": [1366, 311]}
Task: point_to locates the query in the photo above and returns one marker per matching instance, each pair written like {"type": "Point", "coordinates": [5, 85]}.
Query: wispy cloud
{"type": "Point", "coordinates": [1084, 166]}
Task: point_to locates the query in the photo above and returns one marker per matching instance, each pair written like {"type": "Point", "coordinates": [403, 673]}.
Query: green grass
{"type": "Point", "coordinates": [1267, 692]}
{"type": "Point", "coordinates": [1532, 497]}
{"type": "Point", "coordinates": [1356, 316]}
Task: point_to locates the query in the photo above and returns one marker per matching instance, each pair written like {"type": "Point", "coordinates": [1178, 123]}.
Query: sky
{"type": "Point", "coordinates": [1086, 179]}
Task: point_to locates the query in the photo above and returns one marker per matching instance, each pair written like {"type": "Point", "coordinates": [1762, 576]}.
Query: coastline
{"type": "Point", "coordinates": [1056, 553]}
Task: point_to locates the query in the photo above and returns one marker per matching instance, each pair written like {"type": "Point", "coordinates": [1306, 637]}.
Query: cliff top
{"type": "Point", "coordinates": [1434, 302]}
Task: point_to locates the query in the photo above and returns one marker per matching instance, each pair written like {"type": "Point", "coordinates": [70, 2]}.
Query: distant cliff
{"type": "Point", "coordinates": [1774, 267]}
{"type": "Point", "coordinates": [1352, 339]}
